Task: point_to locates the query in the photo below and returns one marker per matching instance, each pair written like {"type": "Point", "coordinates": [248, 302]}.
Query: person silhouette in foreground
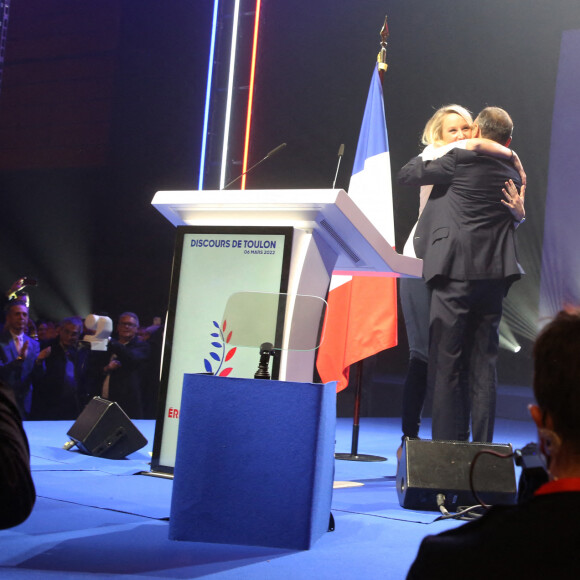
{"type": "Point", "coordinates": [537, 538]}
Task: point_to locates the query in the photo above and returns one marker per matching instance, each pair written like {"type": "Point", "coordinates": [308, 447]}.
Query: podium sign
{"type": "Point", "coordinates": [210, 264]}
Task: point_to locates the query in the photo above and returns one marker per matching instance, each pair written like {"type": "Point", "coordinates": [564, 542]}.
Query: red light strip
{"type": "Point", "coordinates": [251, 93]}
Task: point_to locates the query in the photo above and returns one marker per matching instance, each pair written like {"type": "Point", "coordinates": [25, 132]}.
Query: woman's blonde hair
{"type": "Point", "coordinates": [432, 132]}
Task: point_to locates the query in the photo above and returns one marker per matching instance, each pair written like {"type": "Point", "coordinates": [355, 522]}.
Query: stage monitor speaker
{"type": "Point", "coordinates": [104, 430]}
{"type": "Point", "coordinates": [428, 468]}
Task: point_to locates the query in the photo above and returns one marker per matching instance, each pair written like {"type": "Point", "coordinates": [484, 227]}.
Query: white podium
{"type": "Point", "coordinates": [292, 241]}
{"type": "Point", "coordinates": [330, 234]}
{"type": "Point", "coordinates": [327, 214]}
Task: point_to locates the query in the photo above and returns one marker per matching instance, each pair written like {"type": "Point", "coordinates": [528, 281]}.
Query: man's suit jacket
{"type": "Point", "coordinates": [18, 375]}
{"type": "Point", "coordinates": [465, 232]}
{"type": "Point", "coordinates": [56, 396]}
{"type": "Point", "coordinates": [125, 382]}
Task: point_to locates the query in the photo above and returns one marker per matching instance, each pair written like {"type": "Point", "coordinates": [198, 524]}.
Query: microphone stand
{"type": "Point", "coordinates": [354, 455]}
{"type": "Point", "coordinates": [271, 154]}
{"type": "Point", "coordinates": [340, 154]}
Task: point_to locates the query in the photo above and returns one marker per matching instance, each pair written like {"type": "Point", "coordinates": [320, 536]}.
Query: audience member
{"type": "Point", "coordinates": [128, 354]}
{"type": "Point", "coordinates": [45, 330]}
{"type": "Point", "coordinates": [20, 355]}
{"type": "Point", "coordinates": [535, 539]}
{"type": "Point", "coordinates": [58, 393]}
{"type": "Point", "coordinates": [17, 493]}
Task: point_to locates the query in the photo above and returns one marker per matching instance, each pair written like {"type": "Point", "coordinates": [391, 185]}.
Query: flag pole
{"type": "Point", "coordinates": [382, 56]}
{"type": "Point", "coordinates": [354, 454]}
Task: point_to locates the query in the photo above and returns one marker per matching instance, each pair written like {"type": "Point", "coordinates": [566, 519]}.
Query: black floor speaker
{"type": "Point", "coordinates": [104, 430]}
{"type": "Point", "coordinates": [428, 468]}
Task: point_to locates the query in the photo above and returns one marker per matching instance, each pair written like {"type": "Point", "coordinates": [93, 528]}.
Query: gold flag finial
{"type": "Point", "coordinates": [382, 56]}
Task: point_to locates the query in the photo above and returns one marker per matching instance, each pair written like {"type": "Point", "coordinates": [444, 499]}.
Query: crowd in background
{"type": "Point", "coordinates": [53, 371]}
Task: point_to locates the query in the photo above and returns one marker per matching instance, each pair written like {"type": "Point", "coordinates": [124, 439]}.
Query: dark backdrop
{"type": "Point", "coordinates": [102, 105]}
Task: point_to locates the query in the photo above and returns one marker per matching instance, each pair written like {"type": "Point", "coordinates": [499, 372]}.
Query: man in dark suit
{"type": "Point", "coordinates": [128, 355]}
{"type": "Point", "coordinates": [466, 238]}
{"type": "Point", "coordinates": [20, 355]}
{"type": "Point", "coordinates": [58, 393]}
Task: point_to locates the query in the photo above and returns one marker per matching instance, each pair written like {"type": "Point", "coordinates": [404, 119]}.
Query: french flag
{"type": "Point", "coordinates": [361, 317]}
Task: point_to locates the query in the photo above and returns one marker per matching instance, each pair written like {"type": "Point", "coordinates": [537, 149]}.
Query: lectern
{"type": "Point", "coordinates": [277, 241]}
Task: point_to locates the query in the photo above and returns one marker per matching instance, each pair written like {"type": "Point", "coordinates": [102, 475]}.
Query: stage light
{"type": "Point", "coordinates": [507, 340]}
{"type": "Point", "coordinates": [508, 345]}
{"type": "Point", "coordinates": [251, 93]}
{"type": "Point", "coordinates": [208, 94]}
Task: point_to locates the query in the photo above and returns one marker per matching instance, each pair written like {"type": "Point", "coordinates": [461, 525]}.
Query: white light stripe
{"type": "Point", "coordinates": [230, 90]}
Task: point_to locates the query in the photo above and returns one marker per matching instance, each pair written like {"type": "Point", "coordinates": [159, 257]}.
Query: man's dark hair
{"type": "Point", "coordinates": [74, 320]}
{"type": "Point", "coordinates": [131, 314]}
{"type": "Point", "coordinates": [557, 374]}
{"type": "Point", "coordinates": [15, 302]}
{"type": "Point", "coordinates": [495, 124]}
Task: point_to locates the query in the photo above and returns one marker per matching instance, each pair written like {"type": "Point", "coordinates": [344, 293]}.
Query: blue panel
{"type": "Point", "coordinates": [255, 462]}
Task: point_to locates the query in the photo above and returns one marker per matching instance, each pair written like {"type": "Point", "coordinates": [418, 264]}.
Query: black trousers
{"type": "Point", "coordinates": [464, 332]}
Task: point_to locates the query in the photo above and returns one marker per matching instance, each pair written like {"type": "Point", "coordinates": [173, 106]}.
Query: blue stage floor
{"type": "Point", "coordinates": [94, 518]}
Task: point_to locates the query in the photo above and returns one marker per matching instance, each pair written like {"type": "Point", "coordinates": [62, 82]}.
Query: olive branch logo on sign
{"type": "Point", "coordinates": [222, 353]}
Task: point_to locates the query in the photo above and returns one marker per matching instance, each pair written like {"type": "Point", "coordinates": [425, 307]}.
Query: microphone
{"type": "Point", "coordinates": [266, 351]}
{"type": "Point", "coordinates": [274, 151]}
{"type": "Point", "coordinates": [340, 154]}
{"type": "Point", "coordinates": [271, 154]}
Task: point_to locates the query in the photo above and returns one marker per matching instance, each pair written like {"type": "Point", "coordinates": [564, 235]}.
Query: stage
{"type": "Point", "coordinates": [95, 517]}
